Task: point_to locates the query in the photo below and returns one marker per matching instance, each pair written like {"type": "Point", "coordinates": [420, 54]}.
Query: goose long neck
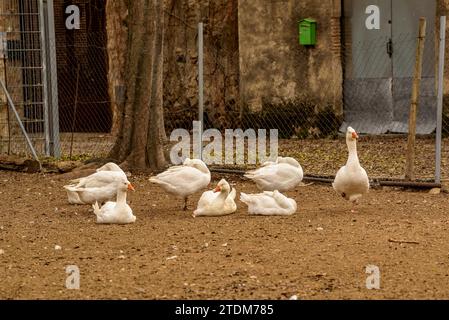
{"type": "Point", "coordinates": [222, 196]}
{"type": "Point", "coordinates": [353, 159]}
{"type": "Point", "coordinates": [121, 198]}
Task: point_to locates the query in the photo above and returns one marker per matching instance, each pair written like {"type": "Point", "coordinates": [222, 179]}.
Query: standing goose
{"type": "Point", "coordinates": [351, 180]}
{"type": "Point", "coordinates": [282, 175]}
{"type": "Point", "coordinates": [184, 180]}
{"type": "Point", "coordinates": [98, 186]}
{"type": "Point", "coordinates": [217, 202]}
{"type": "Point", "coordinates": [119, 211]}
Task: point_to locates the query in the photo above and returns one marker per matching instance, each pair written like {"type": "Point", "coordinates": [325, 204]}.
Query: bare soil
{"type": "Point", "coordinates": [321, 252]}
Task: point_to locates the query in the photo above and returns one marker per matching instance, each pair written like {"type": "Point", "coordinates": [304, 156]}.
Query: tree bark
{"type": "Point", "coordinates": [140, 139]}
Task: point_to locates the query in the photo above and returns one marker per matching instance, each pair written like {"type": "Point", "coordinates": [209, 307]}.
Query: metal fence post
{"type": "Point", "coordinates": [50, 80]}
{"type": "Point", "coordinates": [55, 147]}
{"type": "Point", "coordinates": [200, 88]}
{"type": "Point", "coordinates": [19, 121]}
{"type": "Point", "coordinates": [43, 38]}
{"type": "Point", "coordinates": [440, 99]}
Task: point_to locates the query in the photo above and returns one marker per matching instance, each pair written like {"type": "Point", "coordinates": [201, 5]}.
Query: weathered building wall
{"type": "Point", "coordinates": [221, 67]}
{"type": "Point", "coordinates": [443, 10]}
{"type": "Point", "coordinates": [10, 73]}
{"type": "Point", "coordinates": [252, 57]}
{"type": "Point", "coordinates": [274, 67]}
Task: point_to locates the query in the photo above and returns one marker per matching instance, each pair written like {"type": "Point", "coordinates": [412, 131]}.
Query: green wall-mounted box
{"type": "Point", "coordinates": [307, 32]}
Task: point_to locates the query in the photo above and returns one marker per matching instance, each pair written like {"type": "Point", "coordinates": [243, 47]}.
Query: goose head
{"type": "Point", "coordinates": [351, 135]}
{"type": "Point", "coordinates": [223, 186]}
{"type": "Point", "coordinates": [124, 185]}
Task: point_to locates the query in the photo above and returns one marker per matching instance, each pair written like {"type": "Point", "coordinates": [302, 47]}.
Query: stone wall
{"type": "Point", "coordinates": [274, 67]}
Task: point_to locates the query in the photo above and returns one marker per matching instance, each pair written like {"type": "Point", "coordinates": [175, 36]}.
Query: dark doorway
{"type": "Point", "coordinates": [83, 96]}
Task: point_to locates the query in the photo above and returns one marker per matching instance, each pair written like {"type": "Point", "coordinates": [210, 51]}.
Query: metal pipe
{"type": "Point", "coordinates": [410, 184]}
{"type": "Point", "coordinates": [11, 105]}
{"type": "Point", "coordinates": [55, 144]}
{"type": "Point", "coordinates": [200, 88]}
{"type": "Point", "coordinates": [330, 179]}
{"type": "Point", "coordinates": [42, 29]}
{"type": "Point", "coordinates": [440, 100]}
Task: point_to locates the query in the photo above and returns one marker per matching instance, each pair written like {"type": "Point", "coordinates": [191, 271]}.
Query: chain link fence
{"type": "Point", "coordinates": [375, 97]}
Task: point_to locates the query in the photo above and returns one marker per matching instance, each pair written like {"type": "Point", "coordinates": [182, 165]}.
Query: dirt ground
{"type": "Point", "coordinates": [321, 252]}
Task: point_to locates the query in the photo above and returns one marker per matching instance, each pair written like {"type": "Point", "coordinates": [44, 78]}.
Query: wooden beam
{"type": "Point", "coordinates": [410, 160]}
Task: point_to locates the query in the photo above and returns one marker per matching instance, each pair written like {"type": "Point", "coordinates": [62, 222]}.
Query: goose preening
{"type": "Point", "coordinates": [351, 180]}
{"type": "Point", "coordinates": [97, 187]}
{"type": "Point", "coordinates": [282, 175]}
{"type": "Point", "coordinates": [217, 202]}
{"type": "Point", "coordinates": [110, 166]}
{"type": "Point", "coordinates": [119, 211]}
{"type": "Point", "coordinates": [269, 203]}
{"type": "Point", "coordinates": [184, 180]}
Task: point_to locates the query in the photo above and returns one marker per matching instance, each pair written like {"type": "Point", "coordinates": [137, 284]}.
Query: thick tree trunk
{"type": "Point", "coordinates": [117, 34]}
{"type": "Point", "coordinates": [141, 127]}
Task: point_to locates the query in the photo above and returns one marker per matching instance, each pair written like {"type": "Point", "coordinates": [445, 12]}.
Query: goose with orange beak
{"type": "Point", "coordinates": [351, 180]}
{"type": "Point", "coordinates": [100, 182]}
{"type": "Point", "coordinates": [217, 202]}
{"type": "Point", "coordinates": [118, 211]}
{"type": "Point", "coordinates": [104, 189]}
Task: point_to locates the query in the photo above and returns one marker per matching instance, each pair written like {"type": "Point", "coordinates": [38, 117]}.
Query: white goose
{"type": "Point", "coordinates": [184, 180]}
{"type": "Point", "coordinates": [283, 175]}
{"type": "Point", "coordinates": [269, 203]}
{"type": "Point", "coordinates": [217, 202]}
{"type": "Point", "coordinates": [351, 180]}
{"type": "Point", "coordinates": [119, 211]}
{"type": "Point", "coordinates": [103, 178]}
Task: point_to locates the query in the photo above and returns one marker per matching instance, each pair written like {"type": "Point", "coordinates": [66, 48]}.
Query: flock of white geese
{"type": "Point", "coordinates": [110, 183]}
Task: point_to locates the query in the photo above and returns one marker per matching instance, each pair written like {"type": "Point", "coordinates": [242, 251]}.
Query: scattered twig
{"type": "Point", "coordinates": [305, 184]}
{"type": "Point", "coordinates": [403, 241]}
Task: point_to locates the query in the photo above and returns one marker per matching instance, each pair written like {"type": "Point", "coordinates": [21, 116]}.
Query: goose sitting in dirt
{"type": "Point", "coordinates": [282, 175]}
{"type": "Point", "coordinates": [119, 211]}
{"type": "Point", "coordinates": [103, 178]}
{"type": "Point", "coordinates": [184, 180]}
{"type": "Point", "coordinates": [217, 202]}
{"type": "Point", "coordinates": [351, 180]}
{"type": "Point", "coordinates": [269, 203]}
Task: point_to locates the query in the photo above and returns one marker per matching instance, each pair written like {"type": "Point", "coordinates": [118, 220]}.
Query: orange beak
{"type": "Point", "coordinates": [130, 187]}
{"type": "Point", "coordinates": [217, 189]}
{"type": "Point", "coordinates": [355, 135]}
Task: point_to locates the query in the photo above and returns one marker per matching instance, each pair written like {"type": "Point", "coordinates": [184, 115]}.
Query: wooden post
{"type": "Point", "coordinates": [410, 160]}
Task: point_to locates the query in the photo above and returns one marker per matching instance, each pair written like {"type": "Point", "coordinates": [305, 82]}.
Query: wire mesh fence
{"type": "Point", "coordinates": [21, 71]}
{"type": "Point", "coordinates": [375, 97]}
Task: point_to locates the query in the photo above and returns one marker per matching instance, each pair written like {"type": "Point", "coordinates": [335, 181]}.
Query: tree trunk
{"type": "Point", "coordinates": [141, 134]}
{"type": "Point", "coordinates": [117, 33]}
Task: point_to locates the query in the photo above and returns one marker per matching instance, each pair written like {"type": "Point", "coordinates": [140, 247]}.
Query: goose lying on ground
{"type": "Point", "coordinates": [217, 202]}
{"type": "Point", "coordinates": [184, 180]}
{"type": "Point", "coordinates": [119, 211]}
{"type": "Point", "coordinates": [282, 175]}
{"type": "Point", "coordinates": [269, 203]}
{"type": "Point", "coordinates": [351, 180]}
